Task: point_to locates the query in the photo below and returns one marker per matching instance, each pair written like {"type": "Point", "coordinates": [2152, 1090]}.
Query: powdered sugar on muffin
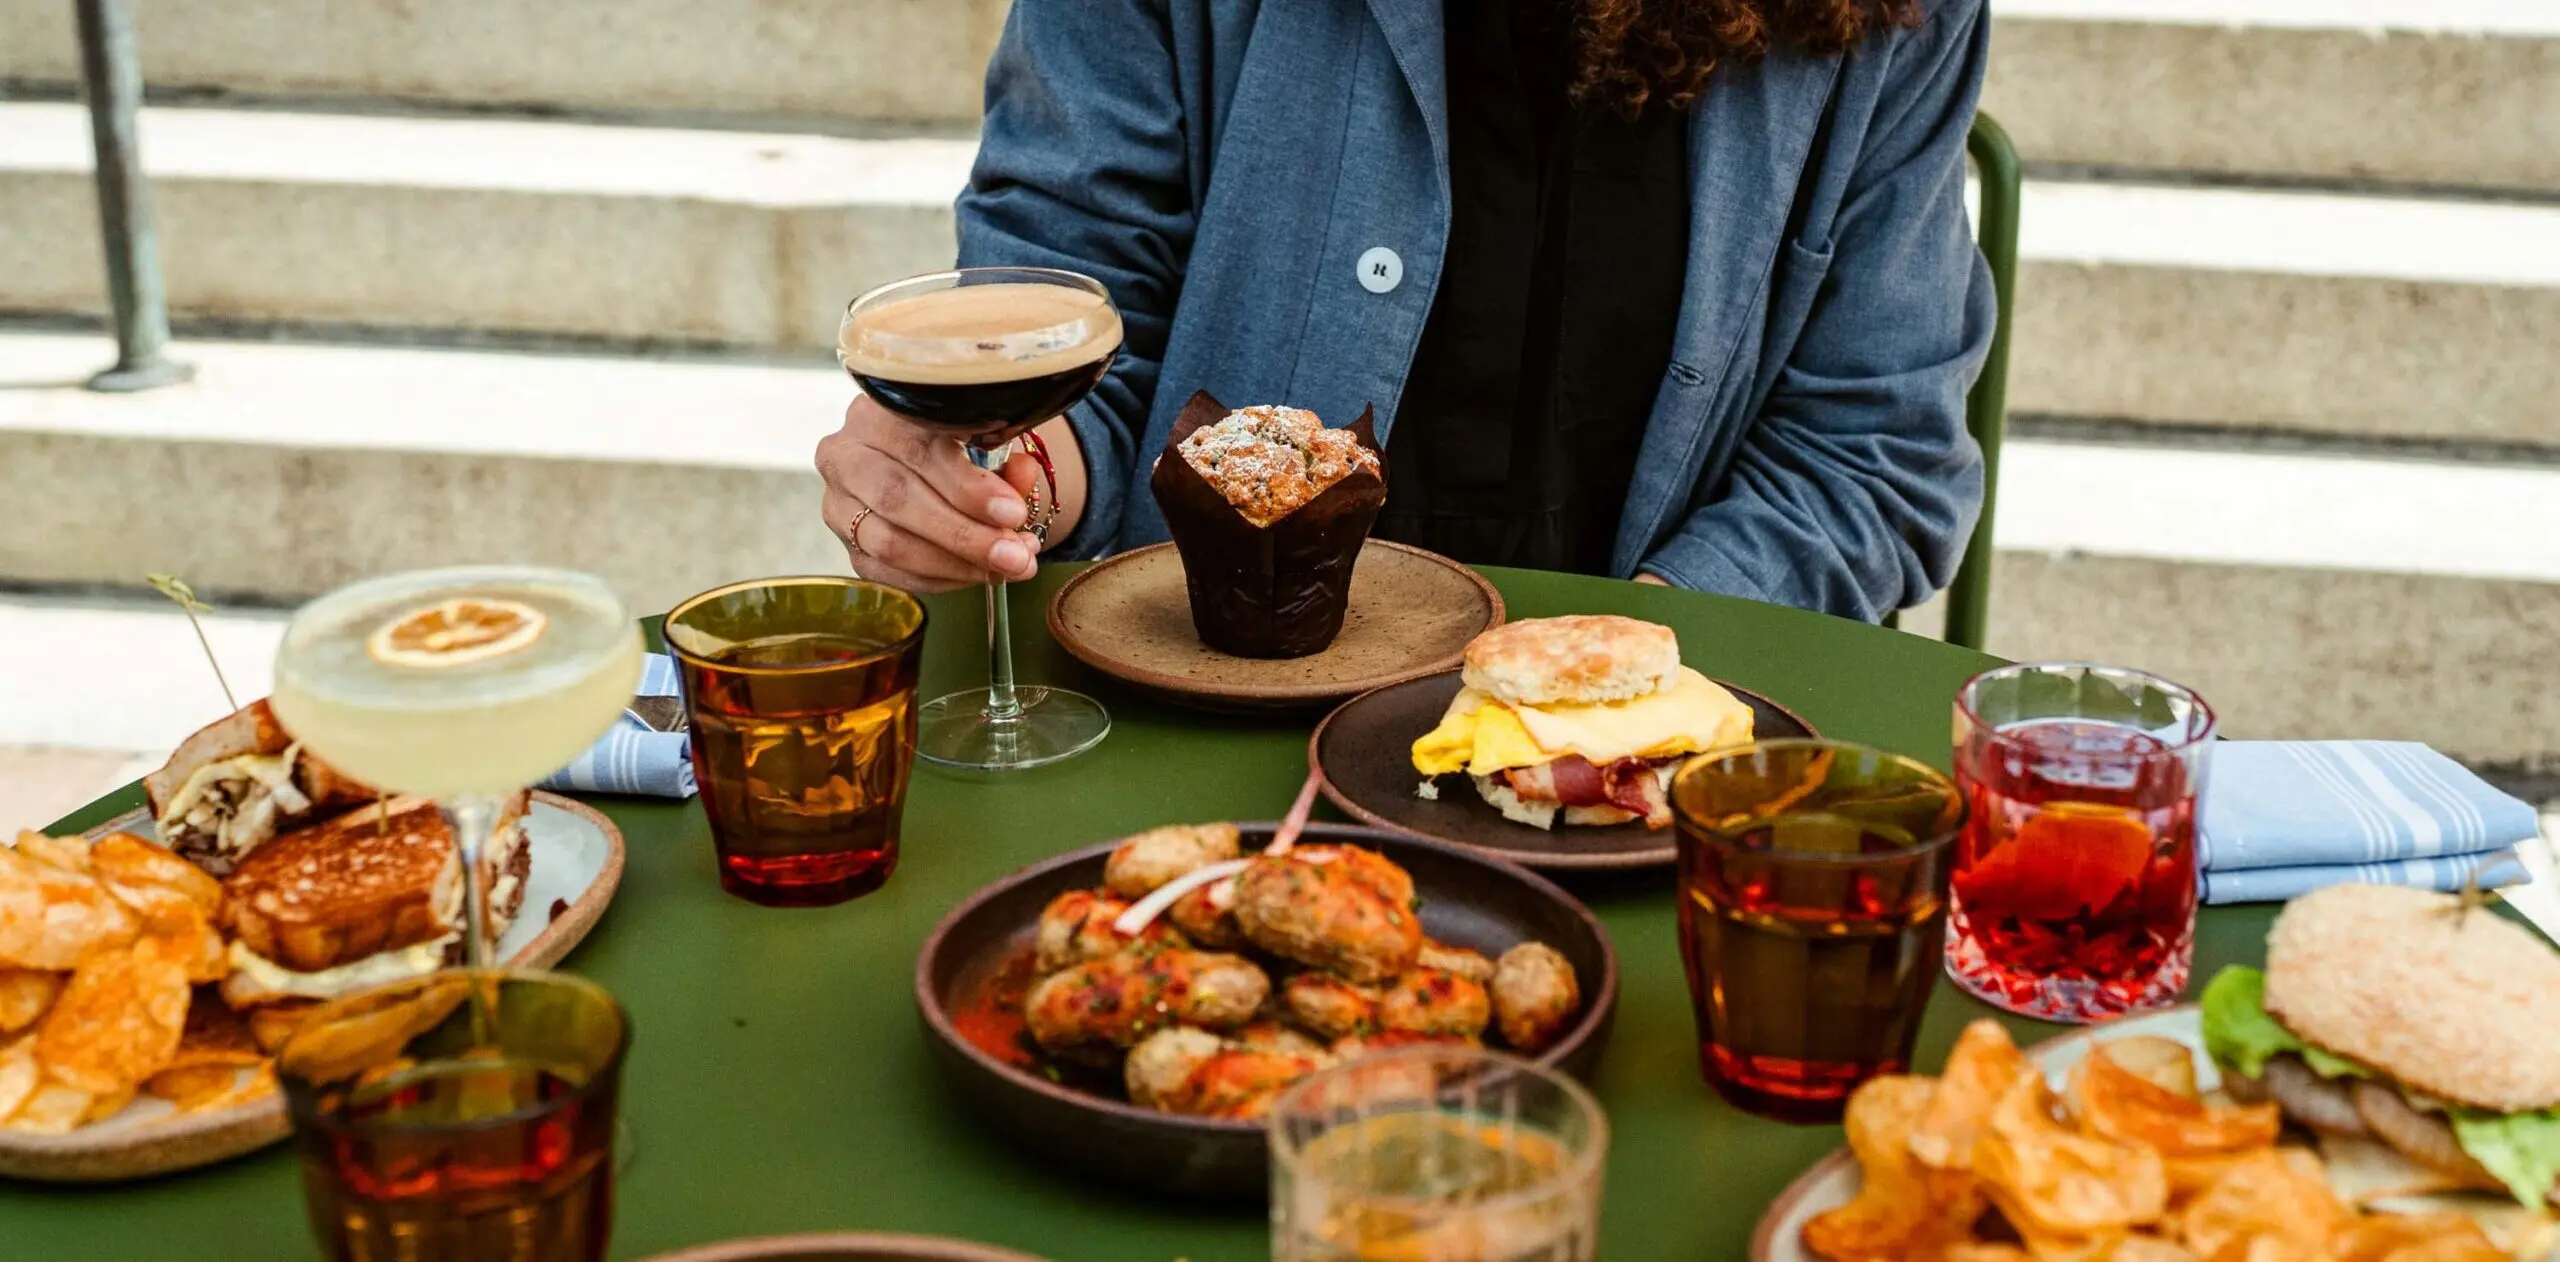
{"type": "Point", "coordinates": [1269, 461]}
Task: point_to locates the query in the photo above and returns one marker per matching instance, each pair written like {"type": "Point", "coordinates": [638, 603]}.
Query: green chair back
{"type": "Point", "coordinates": [1986, 411]}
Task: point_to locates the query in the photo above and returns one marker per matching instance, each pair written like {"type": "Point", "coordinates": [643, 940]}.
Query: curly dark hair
{"type": "Point", "coordinates": [1633, 52]}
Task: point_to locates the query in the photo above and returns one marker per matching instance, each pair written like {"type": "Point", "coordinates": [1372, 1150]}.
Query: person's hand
{"type": "Point", "coordinates": [1652, 579]}
{"type": "Point", "coordinates": [935, 521]}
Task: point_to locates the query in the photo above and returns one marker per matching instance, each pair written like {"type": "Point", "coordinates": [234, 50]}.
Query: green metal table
{"type": "Point", "coordinates": [778, 1080]}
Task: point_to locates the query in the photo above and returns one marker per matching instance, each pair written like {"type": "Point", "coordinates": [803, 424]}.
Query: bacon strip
{"type": "Point", "coordinates": [1628, 784]}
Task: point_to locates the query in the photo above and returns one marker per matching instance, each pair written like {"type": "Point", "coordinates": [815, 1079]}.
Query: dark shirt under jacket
{"type": "Point", "coordinates": [1516, 436]}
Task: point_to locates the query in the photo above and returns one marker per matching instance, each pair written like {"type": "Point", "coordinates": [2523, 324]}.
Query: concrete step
{"type": "Point", "coordinates": [2374, 316]}
{"type": "Point", "coordinates": [2306, 595]}
{"type": "Point", "coordinates": [2459, 92]}
{"type": "Point", "coordinates": [874, 60]}
{"type": "Point", "coordinates": [2450, 92]}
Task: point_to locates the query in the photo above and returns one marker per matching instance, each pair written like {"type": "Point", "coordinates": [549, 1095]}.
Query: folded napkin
{"type": "Point", "coordinates": [2283, 818]}
{"type": "Point", "coordinates": [630, 758]}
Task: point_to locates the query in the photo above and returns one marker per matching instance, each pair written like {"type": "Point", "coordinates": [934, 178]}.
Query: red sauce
{"type": "Point", "coordinates": [989, 1013]}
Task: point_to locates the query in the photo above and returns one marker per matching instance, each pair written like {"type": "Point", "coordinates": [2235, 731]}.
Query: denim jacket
{"type": "Point", "coordinates": [1263, 185]}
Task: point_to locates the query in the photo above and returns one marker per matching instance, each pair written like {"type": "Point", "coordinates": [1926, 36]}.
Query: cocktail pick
{"type": "Point", "coordinates": [1296, 822]}
{"type": "Point", "coordinates": [176, 589]}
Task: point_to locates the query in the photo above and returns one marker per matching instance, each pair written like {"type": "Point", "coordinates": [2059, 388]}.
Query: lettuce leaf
{"type": "Point", "coordinates": [2239, 1033]}
{"type": "Point", "coordinates": [2522, 1149]}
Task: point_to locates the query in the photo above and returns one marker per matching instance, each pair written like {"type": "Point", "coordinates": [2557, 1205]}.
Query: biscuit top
{"type": "Point", "coordinates": [1582, 659]}
{"type": "Point", "coordinates": [1269, 461]}
{"type": "Point", "coordinates": [2460, 1004]}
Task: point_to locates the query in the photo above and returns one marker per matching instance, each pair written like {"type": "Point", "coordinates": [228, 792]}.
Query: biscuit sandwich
{"type": "Point", "coordinates": [1583, 718]}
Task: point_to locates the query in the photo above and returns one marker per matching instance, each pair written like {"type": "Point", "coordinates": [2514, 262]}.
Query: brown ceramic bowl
{"type": "Point", "coordinates": [1364, 754]}
{"type": "Point", "coordinates": [845, 1247]}
{"type": "Point", "coordinates": [1467, 900]}
{"type": "Point", "coordinates": [1412, 613]}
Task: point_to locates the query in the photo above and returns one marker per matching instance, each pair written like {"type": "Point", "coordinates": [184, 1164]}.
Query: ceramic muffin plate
{"type": "Point", "coordinates": [1412, 613]}
{"type": "Point", "coordinates": [1364, 754]}
{"type": "Point", "coordinates": [1465, 901]}
{"type": "Point", "coordinates": [1833, 1181]}
{"type": "Point", "coordinates": [576, 867]}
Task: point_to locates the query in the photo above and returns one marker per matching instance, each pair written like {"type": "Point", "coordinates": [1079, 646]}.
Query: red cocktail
{"type": "Point", "coordinates": [2075, 880]}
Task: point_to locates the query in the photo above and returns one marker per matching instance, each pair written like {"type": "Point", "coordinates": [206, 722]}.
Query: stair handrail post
{"type": "Point", "coordinates": [111, 69]}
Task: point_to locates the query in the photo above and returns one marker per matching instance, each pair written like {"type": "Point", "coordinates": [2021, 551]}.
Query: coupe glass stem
{"type": "Point", "coordinates": [1002, 705]}
{"type": "Point", "coordinates": [473, 819]}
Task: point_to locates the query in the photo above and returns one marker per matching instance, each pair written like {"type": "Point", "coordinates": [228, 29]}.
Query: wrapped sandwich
{"type": "Point", "coordinates": [1585, 717]}
{"type": "Point", "coordinates": [1269, 509]}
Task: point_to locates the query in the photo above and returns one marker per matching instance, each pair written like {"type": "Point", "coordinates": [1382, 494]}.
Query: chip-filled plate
{"type": "Point", "coordinates": [1833, 1181]}
{"type": "Point", "coordinates": [844, 1247]}
{"type": "Point", "coordinates": [1364, 752]}
{"type": "Point", "coordinates": [576, 866]}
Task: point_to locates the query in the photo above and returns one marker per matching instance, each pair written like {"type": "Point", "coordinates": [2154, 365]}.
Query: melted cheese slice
{"type": "Point", "coordinates": [1483, 736]}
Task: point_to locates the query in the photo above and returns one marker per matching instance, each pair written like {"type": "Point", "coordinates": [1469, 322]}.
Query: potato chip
{"type": "Point", "coordinates": [19, 1074]}
{"type": "Point", "coordinates": [128, 863]}
{"type": "Point", "coordinates": [2044, 1248]}
{"type": "Point", "coordinates": [2165, 1063]}
{"type": "Point", "coordinates": [1895, 1215]}
{"type": "Point", "coordinates": [2268, 1247]}
{"type": "Point", "coordinates": [2191, 1175]}
{"type": "Point", "coordinates": [2114, 1102]}
{"type": "Point", "coordinates": [102, 1107]}
{"type": "Point", "coordinates": [190, 1086]}
{"type": "Point", "coordinates": [117, 1022]}
{"type": "Point", "coordinates": [2057, 1182]}
{"type": "Point", "coordinates": [1980, 1070]}
{"type": "Point", "coordinates": [270, 1024]}
{"type": "Point", "coordinates": [54, 1109]}
{"type": "Point", "coordinates": [215, 1034]}
{"type": "Point", "coordinates": [2449, 1249]}
{"type": "Point", "coordinates": [50, 918]}
{"type": "Point", "coordinates": [2150, 1249]}
{"type": "Point", "coordinates": [2268, 1193]}
{"type": "Point", "coordinates": [70, 854]}
{"type": "Point", "coordinates": [2382, 1237]}
{"type": "Point", "coordinates": [24, 995]}
{"type": "Point", "coordinates": [1973, 1251]}
{"type": "Point", "coordinates": [179, 931]}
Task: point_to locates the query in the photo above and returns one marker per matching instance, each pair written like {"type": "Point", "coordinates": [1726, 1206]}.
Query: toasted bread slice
{"type": "Point", "coordinates": [377, 879]}
{"type": "Point", "coordinates": [236, 783]}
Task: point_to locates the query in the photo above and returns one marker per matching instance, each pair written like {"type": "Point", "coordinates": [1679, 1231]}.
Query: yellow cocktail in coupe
{"type": "Point", "coordinates": [464, 685]}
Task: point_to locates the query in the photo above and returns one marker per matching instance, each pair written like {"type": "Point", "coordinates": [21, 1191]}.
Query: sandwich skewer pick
{"type": "Point", "coordinates": [176, 589]}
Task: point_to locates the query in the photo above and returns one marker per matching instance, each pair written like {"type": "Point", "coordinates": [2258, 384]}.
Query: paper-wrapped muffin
{"type": "Point", "coordinates": [1269, 509]}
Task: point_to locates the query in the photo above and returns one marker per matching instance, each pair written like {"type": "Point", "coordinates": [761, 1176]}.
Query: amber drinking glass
{"type": "Point", "coordinates": [436, 1130]}
{"type": "Point", "coordinates": [1813, 888]}
{"type": "Point", "coordinates": [802, 695]}
{"type": "Point", "coordinates": [2075, 885]}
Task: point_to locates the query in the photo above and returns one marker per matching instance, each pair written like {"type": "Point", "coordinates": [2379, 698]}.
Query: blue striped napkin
{"type": "Point", "coordinates": [2283, 818]}
{"type": "Point", "coordinates": [630, 758]}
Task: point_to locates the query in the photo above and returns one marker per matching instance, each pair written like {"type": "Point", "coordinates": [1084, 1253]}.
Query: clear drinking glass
{"type": "Point", "coordinates": [463, 685]}
{"type": "Point", "coordinates": [439, 1130]}
{"type": "Point", "coordinates": [984, 354]}
{"type": "Point", "coordinates": [1436, 1154]}
{"type": "Point", "coordinates": [1813, 903]}
{"type": "Point", "coordinates": [2075, 883]}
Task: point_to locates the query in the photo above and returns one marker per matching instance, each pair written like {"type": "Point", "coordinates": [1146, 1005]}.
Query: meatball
{"type": "Point", "coordinates": [1272, 1036]}
{"type": "Point", "coordinates": [1535, 995]}
{"type": "Point", "coordinates": [1076, 926]}
{"type": "Point", "coordinates": [1202, 920]}
{"type": "Point", "coordinates": [1143, 863]}
{"type": "Point", "coordinates": [1239, 1083]}
{"type": "Point", "coordinates": [1434, 1001]}
{"type": "Point", "coordinates": [1120, 999]}
{"type": "Point", "coordinates": [1163, 1062]}
{"type": "Point", "coordinates": [1468, 964]}
{"type": "Point", "coordinates": [1329, 1005]}
{"type": "Point", "coordinates": [1328, 913]}
{"type": "Point", "coordinates": [1369, 866]}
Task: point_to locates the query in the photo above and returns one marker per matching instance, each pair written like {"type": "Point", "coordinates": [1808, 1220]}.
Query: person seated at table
{"type": "Point", "coordinates": [1673, 290]}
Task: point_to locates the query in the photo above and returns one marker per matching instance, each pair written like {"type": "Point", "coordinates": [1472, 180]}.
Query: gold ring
{"type": "Point", "coordinates": [853, 531]}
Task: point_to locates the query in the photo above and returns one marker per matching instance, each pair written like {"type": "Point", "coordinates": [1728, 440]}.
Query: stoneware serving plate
{"type": "Point", "coordinates": [1412, 613]}
{"type": "Point", "coordinates": [576, 866]}
{"type": "Point", "coordinates": [1833, 1181]}
{"type": "Point", "coordinates": [1363, 754]}
{"type": "Point", "coordinates": [1466, 900]}
{"type": "Point", "coordinates": [845, 1247]}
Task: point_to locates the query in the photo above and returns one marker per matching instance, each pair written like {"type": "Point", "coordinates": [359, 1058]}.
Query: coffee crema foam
{"type": "Point", "coordinates": [980, 335]}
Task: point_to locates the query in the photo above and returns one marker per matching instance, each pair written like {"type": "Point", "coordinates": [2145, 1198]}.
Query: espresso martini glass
{"type": "Point", "coordinates": [983, 354]}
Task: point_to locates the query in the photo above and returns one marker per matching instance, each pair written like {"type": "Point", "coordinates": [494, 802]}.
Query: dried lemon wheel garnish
{"type": "Point", "coordinates": [456, 632]}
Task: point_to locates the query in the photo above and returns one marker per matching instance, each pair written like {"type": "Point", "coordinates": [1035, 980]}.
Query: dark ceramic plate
{"type": "Point", "coordinates": [1412, 613]}
{"type": "Point", "coordinates": [1364, 753]}
{"type": "Point", "coordinates": [1466, 901]}
{"type": "Point", "coordinates": [845, 1247]}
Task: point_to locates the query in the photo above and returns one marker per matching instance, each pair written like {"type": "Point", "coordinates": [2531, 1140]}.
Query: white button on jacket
{"type": "Point", "coordinates": [1381, 270]}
